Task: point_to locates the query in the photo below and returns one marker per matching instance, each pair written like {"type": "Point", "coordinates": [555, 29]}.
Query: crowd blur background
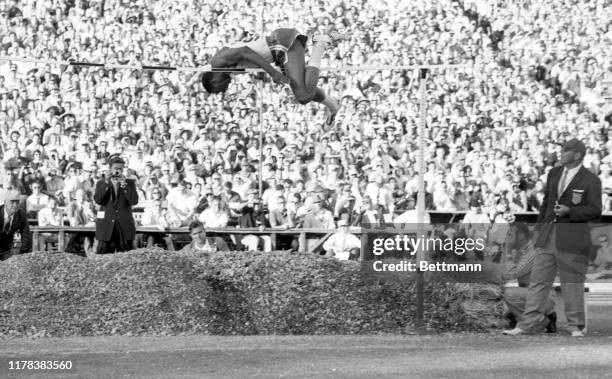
{"type": "Point", "coordinates": [541, 75]}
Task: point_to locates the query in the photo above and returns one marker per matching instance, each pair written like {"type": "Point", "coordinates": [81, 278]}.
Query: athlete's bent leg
{"type": "Point", "coordinates": [295, 70]}
{"type": "Point", "coordinates": [304, 78]}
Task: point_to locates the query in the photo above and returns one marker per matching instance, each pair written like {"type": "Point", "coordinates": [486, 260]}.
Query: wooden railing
{"type": "Point", "coordinates": [301, 234]}
{"type": "Point", "coordinates": [443, 217]}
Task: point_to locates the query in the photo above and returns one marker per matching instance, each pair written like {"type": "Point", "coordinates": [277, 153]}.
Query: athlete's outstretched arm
{"type": "Point", "coordinates": [233, 56]}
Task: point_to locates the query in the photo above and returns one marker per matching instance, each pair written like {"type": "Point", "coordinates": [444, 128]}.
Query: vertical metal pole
{"type": "Point", "coordinates": [421, 195]}
{"type": "Point", "coordinates": [260, 106]}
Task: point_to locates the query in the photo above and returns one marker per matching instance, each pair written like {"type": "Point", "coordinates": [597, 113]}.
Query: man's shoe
{"type": "Point", "coordinates": [511, 321]}
{"type": "Point", "coordinates": [552, 325]}
{"type": "Point", "coordinates": [514, 332]}
{"type": "Point", "coordinates": [577, 332]}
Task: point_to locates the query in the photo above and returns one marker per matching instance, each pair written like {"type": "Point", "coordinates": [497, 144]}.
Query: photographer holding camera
{"type": "Point", "coordinates": [116, 195]}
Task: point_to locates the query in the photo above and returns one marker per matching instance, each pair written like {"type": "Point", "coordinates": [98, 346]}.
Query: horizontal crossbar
{"type": "Point", "coordinates": [208, 68]}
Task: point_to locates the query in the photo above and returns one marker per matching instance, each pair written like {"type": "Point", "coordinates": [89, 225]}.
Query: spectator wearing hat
{"type": "Point", "coordinates": [116, 195]}
{"type": "Point", "coordinates": [13, 219]}
{"type": "Point", "coordinates": [318, 217]}
{"type": "Point", "coordinates": [573, 198]}
{"type": "Point", "coordinates": [342, 245]}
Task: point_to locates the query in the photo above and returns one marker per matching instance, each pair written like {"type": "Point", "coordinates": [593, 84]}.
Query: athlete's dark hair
{"type": "Point", "coordinates": [212, 88]}
{"type": "Point", "coordinates": [195, 224]}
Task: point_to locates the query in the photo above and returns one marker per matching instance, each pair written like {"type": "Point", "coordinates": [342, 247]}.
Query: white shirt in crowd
{"type": "Point", "coordinates": [341, 244]}
{"type": "Point", "coordinates": [36, 202]}
{"type": "Point", "coordinates": [49, 217]}
{"type": "Point", "coordinates": [212, 219]}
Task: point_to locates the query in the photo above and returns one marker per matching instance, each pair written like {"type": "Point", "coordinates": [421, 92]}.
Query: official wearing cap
{"type": "Point", "coordinates": [572, 199]}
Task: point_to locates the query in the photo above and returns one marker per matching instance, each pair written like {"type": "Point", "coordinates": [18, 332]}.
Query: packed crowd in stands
{"type": "Point", "coordinates": [493, 130]}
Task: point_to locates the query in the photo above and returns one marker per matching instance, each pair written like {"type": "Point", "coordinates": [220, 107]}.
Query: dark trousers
{"type": "Point", "coordinates": [572, 268]}
{"type": "Point", "coordinates": [76, 244]}
{"type": "Point", "coordinates": [286, 243]}
{"type": "Point", "coordinates": [7, 247]}
{"type": "Point", "coordinates": [4, 255]}
{"type": "Point", "coordinates": [114, 245]}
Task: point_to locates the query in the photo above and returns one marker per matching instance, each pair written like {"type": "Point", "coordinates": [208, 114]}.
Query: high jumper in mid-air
{"type": "Point", "coordinates": [285, 48]}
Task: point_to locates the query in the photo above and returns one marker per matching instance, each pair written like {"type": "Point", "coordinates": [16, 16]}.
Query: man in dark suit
{"type": "Point", "coordinates": [572, 199]}
{"type": "Point", "coordinates": [13, 219]}
{"type": "Point", "coordinates": [116, 195]}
